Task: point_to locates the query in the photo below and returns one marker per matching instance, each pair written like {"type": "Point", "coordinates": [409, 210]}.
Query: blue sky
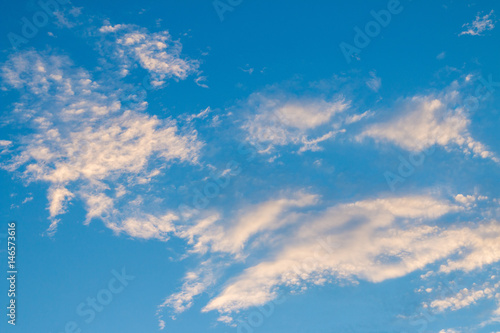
{"type": "Point", "coordinates": [252, 166]}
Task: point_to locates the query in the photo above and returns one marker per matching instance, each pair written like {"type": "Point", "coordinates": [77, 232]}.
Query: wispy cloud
{"type": "Point", "coordinates": [374, 82]}
{"type": "Point", "coordinates": [302, 260]}
{"type": "Point", "coordinates": [68, 17]}
{"type": "Point", "coordinates": [216, 235]}
{"type": "Point", "coordinates": [441, 56]}
{"type": "Point", "coordinates": [195, 283]}
{"type": "Point", "coordinates": [280, 120]}
{"type": "Point", "coordinates": [373, 240]}
{"type": "Point", "coordinates": [433, 119]}
{"type": "Point", "coordinates": [156, 52]}
{"type": "Point", "coordinates": [479, 25]}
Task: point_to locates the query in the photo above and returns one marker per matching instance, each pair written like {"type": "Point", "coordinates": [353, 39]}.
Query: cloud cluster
{"type": "Point", "coordinates": [88, 145]}
{"type": "Point", "coordinates": [466, 297]}
{"type": "Point", "coordinates": [280, 120]}
{"type": "Point", "coordinates": [479, 25]}
{"type": "Point", "coordinates": [157, 52]}
{"type": "Point", "coordinates": [83, 141]}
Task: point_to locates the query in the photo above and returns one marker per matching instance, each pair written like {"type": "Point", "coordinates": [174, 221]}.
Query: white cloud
{"type": "Point", "coordinates": [68, 17]}
{"type": "Point", "coordinates": [199, 81]}
{"type": "Point", "coordinates": [112, 28]}
{"type": "Point", "coordinates": [58, 196]}
{"type": "Point", "coordinates": [424, 121]}
{"type": "Point", "coordinates": [27, 199]}
{"type": "Point", "coordinates": [312, 144]}
{"type": "Point", "coordinates": [484, 249]}
{"type": "Point", "coordinates": [328, 247]}
{"type": "Point", "coordinates": [149, 226]}
{"type": "Point", "coordinates": [83, 137]}
{"type": "Point", "coordinates": [479, 25]}
{"type": "Point", "coordinates": [98, 204]}
{"type": "Point", "coordinates": [201, 115]}
{"type": "Point", "coordinates": [357, 117]}
{"type": "Point", "coordinates": [465, 199]}
{"type": "Point", "coordinates": [280, 120]}
{"type": "Point", "coordinates": [466, 297]}
{"type": "Point", "coordinates": [155, 52]}
{"type": "Point", "coordinates": [195, 283]}
{"type": "Point", "coordinates": [374, 82]}
{"type": "Point", "coordinates": [221, 237]}
{"type": "Point", "coordinates": [212, 234]}
{"type": "Point", "coordinates": [373, 240]}
{"type": "Point", "coordinates": [469, 200]}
